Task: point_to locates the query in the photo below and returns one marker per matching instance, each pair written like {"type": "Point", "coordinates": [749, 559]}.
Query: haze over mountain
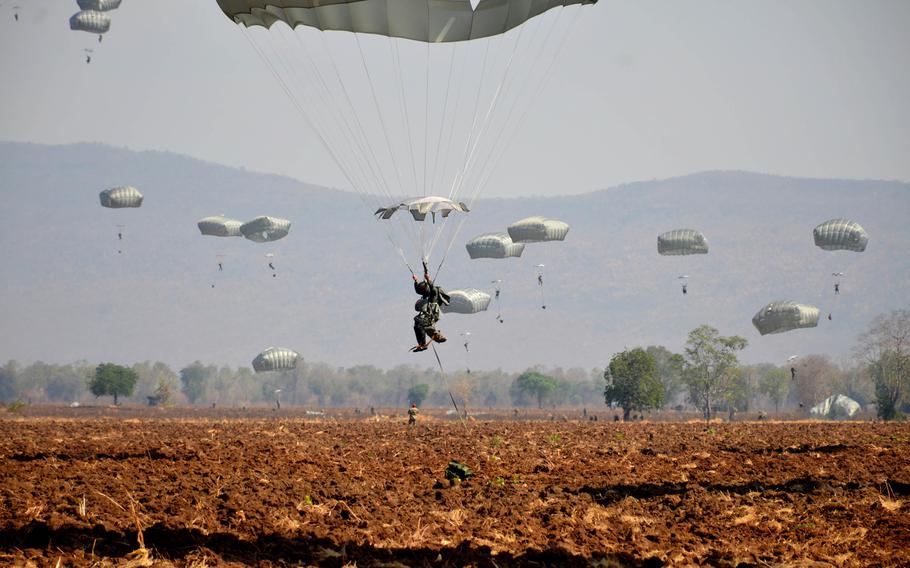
{"type": "Point", "coordinates": [342, 295]}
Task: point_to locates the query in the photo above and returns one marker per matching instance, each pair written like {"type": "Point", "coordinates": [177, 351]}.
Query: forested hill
{"type": "Point", "coordinates": [343, 297]}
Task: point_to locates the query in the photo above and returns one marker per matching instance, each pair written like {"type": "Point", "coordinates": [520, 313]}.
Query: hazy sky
{"type": "Point", "coordinates": [643, 89]}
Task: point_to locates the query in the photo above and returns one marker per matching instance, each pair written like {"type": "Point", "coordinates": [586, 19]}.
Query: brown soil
{"type": "Point", "coordinates": [371, 492]}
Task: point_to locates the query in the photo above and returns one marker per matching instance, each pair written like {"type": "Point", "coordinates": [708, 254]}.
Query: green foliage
{"type": "Point", "coordinates": [632, 382]}
{"type": "Point", "coordinates": [15, 406]}
{"type": "Point", "coordinates": [554, 438]}
{"type": "Point", "coordinates": [886, 349]}
{"type": "Point", "coordinates": [498, 481]}
{"type": "Point", "coordinates": [113, 380]}
{"type": "Point", "coordinates": [773, 382]}
{"type": "Point", "coordinates": [496, 441]}
{"type": "Point", "coordinates": [669, 370]}
{"type": "Point", "coordinates": [536, 385]}
{"type": "Point", "coordinates": [418, 393]}
{"type": "Point", "coordinates": [710, 368]}
{"type": "Point", "coordinates": [193, 379]}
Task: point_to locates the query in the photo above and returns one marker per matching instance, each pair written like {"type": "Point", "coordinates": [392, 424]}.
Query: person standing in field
{"type": "Point", "coordinates": [412, 414]}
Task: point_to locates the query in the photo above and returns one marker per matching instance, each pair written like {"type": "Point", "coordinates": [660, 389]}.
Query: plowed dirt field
{"type": "Point", "coordinates": [275, 491]}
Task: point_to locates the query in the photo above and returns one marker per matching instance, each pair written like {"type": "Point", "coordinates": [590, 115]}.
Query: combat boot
{"type": "Point", "coordinates": [439, 338]}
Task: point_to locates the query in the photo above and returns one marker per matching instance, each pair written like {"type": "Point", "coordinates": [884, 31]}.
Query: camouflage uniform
{"type": "Point", "coordinates": [412, 415]}
{"type": "Point", "coordinates": [428, 310]}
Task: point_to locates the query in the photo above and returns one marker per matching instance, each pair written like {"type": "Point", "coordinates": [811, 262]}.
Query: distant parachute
{"type": "Point", "coordinates": [220, 226]}
{"type": "Point", "coordinates": [835, 407]}
{"type": "Point", "coordinates": [538, 230]}
{"type": "Point", "coordinates": [778, 317]}
{"type": "Point", "coordinates": [275, 359]}
{"type": "Point", "coordinates": [265, 229]}
{"type": "Point", "coordinates": [494, 245]}
{"type": "Point", "coordinates": [420, 207]}
{"type": "Point", "coordinates": [91, 21]}
{"type": "Point", "coordinates": [467, 301]}
{"type": "Point", "coordinates": [98, 5]}
{"type": "Point", "coordinates": [123, 196]}
{"type": "Point", "coordinates": [682, 242]}
{"type": "Point", "coordinates": [841, 234]}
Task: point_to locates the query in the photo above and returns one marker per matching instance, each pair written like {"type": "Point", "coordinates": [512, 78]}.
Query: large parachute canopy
{"type": "Point", "coordinates": [411, 97]}
{"type": "Point", "coordinates": [265, 229]}
{"type": "Point", "coordinates": [431, 21]}
{"type": "Point", "coordinates": [682, 242]}
{"type": "Point", "coordinates": [840, 234]}
{"type": "Point", "coordinates": [538, 230]}
{"type": "Point", "coordinates": [276, 359]}
{"type": "Point", "coordinates": [781, 316]}
{"type": "Point", "coordinates": [123, 196]}
{"type": "Point", "coordinates": [467, 301]}
{"type": "Point", "coordinates": [91, 21]}
{"type": "Point", "coordinates": [98, 5]}
{"type": "Point", "coordinates": [220, 226]}
{"type": "Point", "coordinates": [494, 245]}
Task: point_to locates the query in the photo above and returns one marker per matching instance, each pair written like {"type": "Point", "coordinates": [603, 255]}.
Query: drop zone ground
{"type": "Point", "coordinates": [149, 488]}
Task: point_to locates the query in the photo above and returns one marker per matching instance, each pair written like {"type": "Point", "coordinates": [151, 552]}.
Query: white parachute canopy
{"type": "Point", "coordinates": [834, 407]}
{"type": "Point", "coordinates": [220, 226]}
{"type": "Point", "coordinates": [840, 234]}
{"type": "Point", "coordinates": [411, 97]}
{"type": "Point", "coordinates": [538, 230]}
{"type": "Point", "coordinates": [467, 301]}
{"type": "Point", "coordinates": [91, 21]}
{"type": "Point", "coordinates": [494, 245]}
{"type": "Point", "coordinates": [681, 242]}
{"type": "Point", "coordinates": [264, 229]}
{"type": "Point", "coordinates": [276, 359]}
{"type": "Point", "coordinates": [119, 197]}
{"type": "Point", "coordinates": [98, 5]}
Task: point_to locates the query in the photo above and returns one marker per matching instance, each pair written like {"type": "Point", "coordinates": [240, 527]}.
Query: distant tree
{"type": "Point", "coordinates": [885, 347]}
{"type": "Point", "coordinates": [537, 385]}
{"type": "Point", "coordinates": [669, 370]}
{"type": "Point", "coordinates": [632, 382]}
{"type": "Point", "coordinates": [774, 383]}
{"type": "Point", "coordinates": [164, 392]}
{"type": "Point", "coordinates": [710, 366]}
{"type": "Point", "coordinates": [816, 377]}
{"type": "Point", "coordinates": [9, 375]}
{"type": "Point", "coordinates": [418, 393]}
{"type": "Point", "coordinates": [113, 380]}
{"type": "Point", "coordinates": [193, 379]}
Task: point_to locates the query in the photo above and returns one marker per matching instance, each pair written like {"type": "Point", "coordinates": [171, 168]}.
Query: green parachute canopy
{"type": "Point", "coordinates": [276, 359]}
{"type": "Point", "coordinates": [782, 316]}
{"type": "Point", "coordinates": [840, 234]}
{"type": "Point", "coordinates": [123, 196]}
{"type": "Point", "coordinates": [681, 242]}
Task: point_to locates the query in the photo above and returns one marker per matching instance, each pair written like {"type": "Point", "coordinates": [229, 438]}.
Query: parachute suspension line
{"type": "Point", "coordinates": [445, 381]}
{"type": "Point", "coordinates": [483, 67]}
{"type": "Point", "coordinates": [385, 186]}
{"type": "Point", "coordinates": [396, 58]}
{"type": "Point", "coordinates": [447, 155]}
{"type": "Point", "coordinates": [445, 107]}
{"type": "Point", "coordinates": [379, 114]}
{"type": "Point", "coordinates": [497, 151]}
{"type": "Point", "coordinates": [346, 160]}
{"type": "Point", "coordinates": [426, 117]}
{"type": "Point", "coordinates": [486, 120]}
{"type": "Point", "coordinates": [297, 104]}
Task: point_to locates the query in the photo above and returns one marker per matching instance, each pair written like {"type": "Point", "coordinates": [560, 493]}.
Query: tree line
{"type": "Point", "coordinates": [707, 375]}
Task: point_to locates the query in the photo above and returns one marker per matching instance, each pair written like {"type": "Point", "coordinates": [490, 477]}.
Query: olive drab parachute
{"type": "Point", "coordinates": [467, 301]}
{"type": "Point", "coordinates": [494, 245]}
{"type": "Point", "coordinates": [538, 230]}
{"type": "Point", "coordinates": [98, 5]}
{"type": "Point", "coordinates": [428, 21]}
{"type": "Point", "coordinates": [265, 229]}
{"type": "Point", "coordinates": [682, 242]}
{"type": "Point", "coordinates": [91, 21]}
{"type": "Point", "coordinates": [220, 226]}
{"type": "Point", "coordinates": [782, 316]}
{"type": "Point", "coordinates": [411, 97]}
{"type": "Point", "coordinates": [840, 234]}
{"type": "Point", "coordinates": [276, 359]}
{"type": "Point", "coordinates": [118, 197]}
